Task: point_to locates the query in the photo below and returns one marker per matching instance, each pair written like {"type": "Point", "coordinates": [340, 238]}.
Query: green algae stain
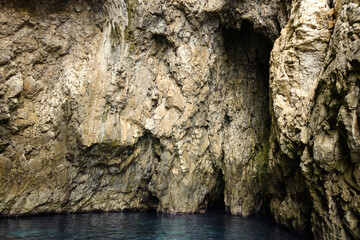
{"type": "Point", "coordinates": [125, 33]}
{"type": "Point", "coordinates": [115, 35]}
{"type": "Point", "coordinates": [262, 161]}
{"type": "Point", "coordinates": [130, 29]}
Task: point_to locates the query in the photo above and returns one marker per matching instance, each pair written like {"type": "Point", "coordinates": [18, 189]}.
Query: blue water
{"type": "Point", "coordinates": [142, 226]}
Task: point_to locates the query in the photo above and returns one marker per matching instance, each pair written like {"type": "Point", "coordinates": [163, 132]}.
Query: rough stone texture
{"type": "Point", "coordinates": [173, 106]}
{"type": "Point", "coordinates": [314, 82]}
{"type": "Point", "coordinates": [115, 105]}
{"type": "Point", "coordinates": [330, 162]}
{"type": "Point", "coordinates": [296, 61]}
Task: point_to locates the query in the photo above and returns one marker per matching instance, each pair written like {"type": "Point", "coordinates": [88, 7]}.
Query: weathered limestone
{"type": "Point", "coordinates": [296, 61]}
{"type": "Point", "coordinates": [314, 86]}
{"type": "Point", "coordinates": [114, 105]}
{"type": "Point", "coordinates": [334, 122]}
{"type": "Point", "coordinates": [175, 105]}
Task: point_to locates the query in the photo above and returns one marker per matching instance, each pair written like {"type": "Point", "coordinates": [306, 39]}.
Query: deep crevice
{"type": "Point", "coordinates": [227, 120]}
{"type": "Point", "coordinates": [247, 54]}
{"type": "Point", "coordinates": [217, 204]}
{"type": "Point", "coordinates": [152, 202]}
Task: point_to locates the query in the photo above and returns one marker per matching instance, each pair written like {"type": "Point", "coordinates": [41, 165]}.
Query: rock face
{"type": "Point", "coordinates": [177, 105]}
{"type": "Point", "coordinates": [120, 105]}
{"type": "Point", "coordinates": [297, 59]}
{"type": "Point", "coordinates": [314, 156]}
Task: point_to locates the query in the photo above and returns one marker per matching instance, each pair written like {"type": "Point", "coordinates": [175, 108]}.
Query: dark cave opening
{"type": "Point", "coordinates": [248, 50]}
{"type": "Point", "coordinates": [247, 55]}
{"type": "Point", "coordinates": [153, 203]}
{"type": "Point", "coordinates": [217, 204]}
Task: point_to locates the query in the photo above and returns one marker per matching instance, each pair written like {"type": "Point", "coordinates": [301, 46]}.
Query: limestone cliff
{"type": "Point", "coordinates": [314, 157]}
{"type": "Point", "coordinates": [174, 105]}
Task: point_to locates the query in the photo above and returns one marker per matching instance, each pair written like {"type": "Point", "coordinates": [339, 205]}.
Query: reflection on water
{"type": "Point", "coordinates": [141, 226]}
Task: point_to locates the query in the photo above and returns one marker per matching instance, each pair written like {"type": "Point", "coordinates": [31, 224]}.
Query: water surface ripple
{"type": "Point", "coordinates": [142, 225]}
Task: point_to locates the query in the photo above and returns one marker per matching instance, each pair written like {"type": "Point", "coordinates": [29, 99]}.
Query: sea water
{"type": "Point", "coordinates": [142, 225]}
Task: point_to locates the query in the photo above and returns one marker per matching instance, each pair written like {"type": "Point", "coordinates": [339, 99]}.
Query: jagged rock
{"type": "Point", "coordinates": [314, 91]}
{"type": "Point", "coordinates": [175, 105]}
{"type": "Point", "coordinates": [296, 61]}
{"type": "Point", "coordinates": [15, 85]}
{"type": "Point", "coordinates": [138, 86]}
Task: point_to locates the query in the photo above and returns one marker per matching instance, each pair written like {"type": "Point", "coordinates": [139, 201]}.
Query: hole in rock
{"type": "Point", "coordinates": [161, 43]}
{"type": "Point", "coordinates": [247, 55]}
{"type": "Point", "coordinates": [153, 203]}
{"type": "Point", "coordinates": [217, 204]}
{"type": "Point", "coordinates": [227, 120]}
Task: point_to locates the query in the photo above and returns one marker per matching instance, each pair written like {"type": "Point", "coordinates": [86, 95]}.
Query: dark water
{"type": "Point", "coordinates": [141, 226]}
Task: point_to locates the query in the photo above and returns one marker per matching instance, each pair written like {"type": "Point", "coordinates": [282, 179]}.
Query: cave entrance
{"type": "Point", "coordinates": [248, 54]}
{"type": "Point", "coordinates": [247, 120]}
{"type": "Point", "coordinates": [153, 203]}
{"type": "Point", "coordinates": [217, 204]}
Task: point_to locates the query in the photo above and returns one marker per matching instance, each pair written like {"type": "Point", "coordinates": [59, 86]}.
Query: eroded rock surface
{"type": "Point", "coordinates": [173, 106]}
{"type": "Point", "coordinates": [314, 77]}
{"type": "Point", "coordinates": [115, 105]}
